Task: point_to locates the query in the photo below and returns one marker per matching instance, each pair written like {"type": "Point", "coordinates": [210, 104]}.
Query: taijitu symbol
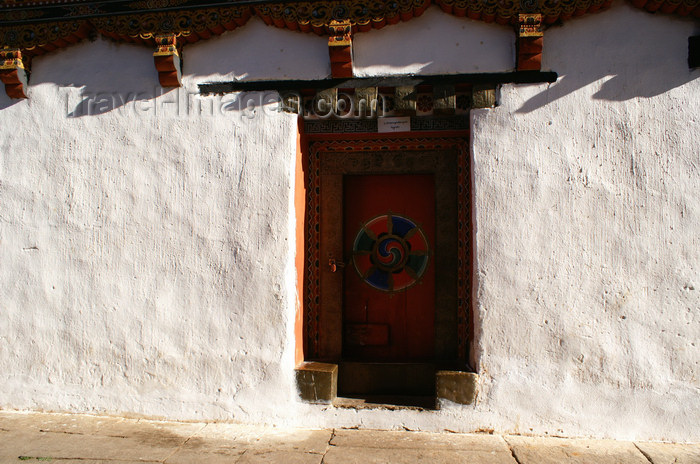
{"type": "Point", "coordinates": [390, 252]}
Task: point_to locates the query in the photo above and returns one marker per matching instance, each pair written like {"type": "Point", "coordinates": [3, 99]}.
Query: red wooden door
{"type": "Point", "coordinates": [389, 277]}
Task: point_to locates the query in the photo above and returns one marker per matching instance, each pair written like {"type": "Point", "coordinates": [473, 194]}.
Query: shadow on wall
{"type": "Point", "coordinates": [257, 51]}
{"type": "Point", "coordinates": [435, 43]}
{"type": "Point", "coordinates": [635, 53]}
{"type": "Point", "coordinates": [5, 101]}
{"type": "Point", "coordinates": [93, 78]}
{"type": "Point", "coordinates": [96, 103]}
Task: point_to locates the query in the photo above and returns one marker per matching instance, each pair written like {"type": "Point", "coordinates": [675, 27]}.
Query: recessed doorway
{"type": "Point", "coordinates": [387, 278]}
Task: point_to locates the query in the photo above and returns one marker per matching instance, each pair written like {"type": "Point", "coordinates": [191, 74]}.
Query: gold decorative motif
{"type": "Point", "coordinates": [530, 42]}
{"type": "Point", "coordinates": [340, 32]}
{"type": "Point", "coordinates": [530, 25]}
{"type": "Point", "coordinates": [13, 73]}
{"type": "Point", "coordinates": [11, 58]}
{"type": "Point", "coordinates": [508, 11]}
{"type": "Point", "coordinates": [363, 15]}
{"type": "Point", "coordinates": [306, 16]}
{"type": "Point", "coordinates": [181, 23]}
{"type": "Point", "coordinates": [35, 31]}
{"type": "Point", "coordinates": [340, 48]}
{"type": "Point", "coordinates": [339, 40]}
{"type": "Point", "coordinates": [167, 44]}
{"type": "Point", "coordinates": [34, 37]}
{"type": "Point", "coordinates": [167, 60]}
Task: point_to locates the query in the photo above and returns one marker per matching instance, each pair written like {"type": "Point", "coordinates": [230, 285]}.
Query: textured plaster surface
{"type": "Point", "coordinates": [258, 52]}
{"type": "Point", "coordinates": [147, 238]}
{"type": "Point", "coordinates": [587, 232]}
{"type": "Point", "coordinates": [146, 264]}
{"type": "Point", "coordinates": [434, 43]}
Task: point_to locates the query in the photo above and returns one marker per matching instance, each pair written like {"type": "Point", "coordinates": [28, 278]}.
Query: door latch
{"type": "Point", "coordinates": [334, 265]}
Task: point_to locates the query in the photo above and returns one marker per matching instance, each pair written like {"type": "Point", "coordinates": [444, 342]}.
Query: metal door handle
{"type": "Point", "coordinates": [334, 265]}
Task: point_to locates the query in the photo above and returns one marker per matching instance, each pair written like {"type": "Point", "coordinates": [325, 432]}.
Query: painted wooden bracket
{"type": "Point", "coordinates": [530, 40]}
{"type": "Point", "coordinates": [340, 48]}
{"type": "Point", "coordinates": [13, 73]}
{"type": "Point", "coordinates": [167, 60]}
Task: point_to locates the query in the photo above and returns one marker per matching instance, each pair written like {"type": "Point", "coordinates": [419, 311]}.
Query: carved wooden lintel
{"type": "Point", "coordinates": [340, 48]}
{"type": "Point", "coordinates": [483, 96]}
{"type": "Point", "coordinates": [444, 99]}
{"type": "Point", "coordinates": [13, 73]}
{"type": "Point", "coordinates": [530, 42]}
{"type": "Point", "coordinates": [167, 60]}
{"type": "Point", "coordinates": [404, 101]}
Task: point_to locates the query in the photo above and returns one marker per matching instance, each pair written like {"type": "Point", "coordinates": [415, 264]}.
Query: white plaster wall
{"type": "Point", "coordinates": [434, 43]}
{"type": "Point", "coordinates": [146, 246]}
{"type": "Point", "coordinates": [588, 226]}
{"type": "Point", "coordinates": [258, 52]}
{"type": "Point", "coordinates": [145, 256]}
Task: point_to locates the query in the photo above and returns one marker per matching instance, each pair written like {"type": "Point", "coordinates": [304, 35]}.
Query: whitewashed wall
{"type": "Point", "coordinates": [588, 235]}
{"type": "Point", "coordinates": [434, 43]}
{"type": "Point", "coordinates": [146, 264]}
{"type": "Point", "coordinates": [146, 247]}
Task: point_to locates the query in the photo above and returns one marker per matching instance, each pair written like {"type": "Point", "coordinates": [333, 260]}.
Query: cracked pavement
{"type": "Point", "coordinates": [83, 439]}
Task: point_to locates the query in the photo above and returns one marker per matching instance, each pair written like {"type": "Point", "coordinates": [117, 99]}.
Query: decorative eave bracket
{"type": "Point", "coordinates": [30, 28]}
{"type": "Point", "coordinates": [167, 60]}
{"type": "Point", "coordinates": [530, 41]}
{"type": "Point", "coordinates": [13, 73]}
{"type": "Point", "coordinates": [340, 48]}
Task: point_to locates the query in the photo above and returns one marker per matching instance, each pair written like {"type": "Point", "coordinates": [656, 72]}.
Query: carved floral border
{"type": "Point", "coordinates": [312, 230]}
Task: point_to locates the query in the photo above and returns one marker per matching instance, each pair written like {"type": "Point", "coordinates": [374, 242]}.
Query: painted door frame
{"type": "Point", "coordinates": [325, 161]}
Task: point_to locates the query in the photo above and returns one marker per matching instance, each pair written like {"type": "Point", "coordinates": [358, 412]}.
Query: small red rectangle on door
{"type": "Point", "coordinates": [367, 334]}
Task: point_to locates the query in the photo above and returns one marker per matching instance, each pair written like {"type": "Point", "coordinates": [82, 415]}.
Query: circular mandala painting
{"type": "Point", "coordinates": [390, 252]}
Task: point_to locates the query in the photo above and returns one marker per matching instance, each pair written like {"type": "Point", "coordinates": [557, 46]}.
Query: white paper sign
{"type": "Point", "coordinates": [402, 124]}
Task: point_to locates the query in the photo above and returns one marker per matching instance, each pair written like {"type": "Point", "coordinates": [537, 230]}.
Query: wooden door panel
{"type": "Point", "coordinates": [389, 277]}
{"type": "Point", "coordinates": [328, 334]}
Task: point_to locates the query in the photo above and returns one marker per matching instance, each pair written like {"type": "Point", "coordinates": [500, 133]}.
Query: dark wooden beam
{"type": "Point", "coordinates": [517, 77]}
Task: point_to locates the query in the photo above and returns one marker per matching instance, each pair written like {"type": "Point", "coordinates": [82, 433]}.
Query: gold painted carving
{"type": "Point", "coordinates": [23, 29]}
{"type": "Point", "coordinates": [340, 48]}
{"type": "Point", "coordinates": [13, 73]}
{"type": "Point", "coordinates": [167, 60]}
{"type": "Point", "coordinates": [530, 25]}
{"type": "Point", "coordinates": [30, 37]}
{"type": "Point", "coordinates": [181, 23]}
{"type": "Point", "coordinates": [317, 16]}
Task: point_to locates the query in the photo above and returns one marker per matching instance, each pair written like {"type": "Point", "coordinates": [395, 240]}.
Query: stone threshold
{"type": "Point", "coordinates": [318, 383]}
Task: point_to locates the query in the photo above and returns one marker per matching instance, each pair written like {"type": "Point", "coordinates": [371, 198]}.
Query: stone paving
{"type": "Point", "coordinates": [80, 439]}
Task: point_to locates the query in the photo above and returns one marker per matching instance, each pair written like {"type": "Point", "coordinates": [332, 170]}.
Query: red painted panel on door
{"type": "Point", "coordinates": [389, 277]}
